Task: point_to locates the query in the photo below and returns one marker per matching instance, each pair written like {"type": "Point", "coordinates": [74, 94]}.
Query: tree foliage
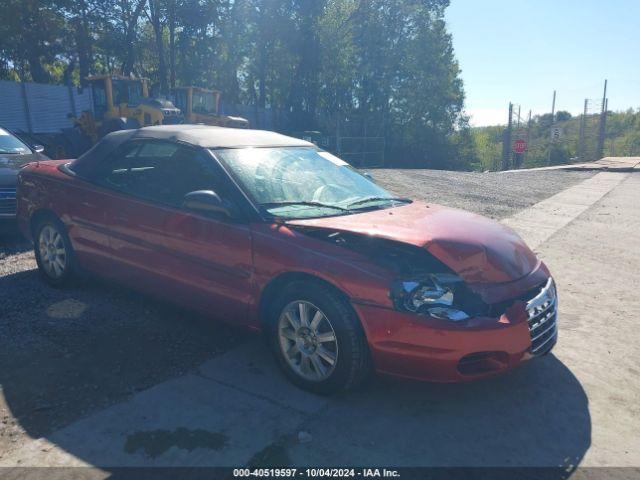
{"type": "Point", "coordinates": [387, 65]}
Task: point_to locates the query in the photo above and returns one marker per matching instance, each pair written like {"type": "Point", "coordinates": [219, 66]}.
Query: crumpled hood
{"type": "Point", "coordinates": [477, 248]}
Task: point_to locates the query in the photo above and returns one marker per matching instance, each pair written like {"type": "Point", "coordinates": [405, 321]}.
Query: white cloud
{"type": "Point", "coordinates": [481, 117]}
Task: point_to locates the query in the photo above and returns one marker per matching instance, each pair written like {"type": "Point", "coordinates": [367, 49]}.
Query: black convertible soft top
{"type": "Point", "coordinates": [197, 135]}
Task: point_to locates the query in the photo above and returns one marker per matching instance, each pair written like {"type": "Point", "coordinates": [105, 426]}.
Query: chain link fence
{"type": "Point", "coordinates": [555, 138]}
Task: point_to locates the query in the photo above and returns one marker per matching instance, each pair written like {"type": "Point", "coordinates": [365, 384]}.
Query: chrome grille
{"type": "Point", "coordinates": [543, 315]}
{"type": "Point", "coordinates": [7, 201]}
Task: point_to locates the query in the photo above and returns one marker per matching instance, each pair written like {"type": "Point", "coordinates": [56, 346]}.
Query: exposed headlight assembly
{"type": "Point", "coordinates": [431, 295]}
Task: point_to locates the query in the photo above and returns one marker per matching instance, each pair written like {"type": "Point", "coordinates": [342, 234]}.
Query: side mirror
{"type": "Point", "coordinates": [38, 148]}
{"type": "Point", "coordinates": [207, 201]}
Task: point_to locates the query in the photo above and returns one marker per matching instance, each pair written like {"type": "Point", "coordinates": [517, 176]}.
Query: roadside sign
{"type": "Point", "coordinates": [556, 132]}
{"type": "Point", "coordinates": [519, 146]}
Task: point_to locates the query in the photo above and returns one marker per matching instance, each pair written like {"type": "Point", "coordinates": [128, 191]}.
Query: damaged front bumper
{"type": "Point", "coordinates": [419, 347]}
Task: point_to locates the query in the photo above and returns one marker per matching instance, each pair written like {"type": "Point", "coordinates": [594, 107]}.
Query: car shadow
{"type": "Point", "coordinates": [11, 240]}
{"type": "Point", "coordinates": [66, 354]}
{"type": "Point", "coordinates": [537, 415]}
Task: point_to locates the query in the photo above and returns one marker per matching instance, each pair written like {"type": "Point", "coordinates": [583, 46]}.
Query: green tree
{"type": "Point", "coordinates": [32, 50]}
{"type": "Point", "coordinates": [388, 65]}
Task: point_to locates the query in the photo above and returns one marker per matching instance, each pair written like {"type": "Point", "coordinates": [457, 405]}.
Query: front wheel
{"type": "Point", "coordinates": [54, 254]}
{"type": "Point", "coordinates": [317, 339]}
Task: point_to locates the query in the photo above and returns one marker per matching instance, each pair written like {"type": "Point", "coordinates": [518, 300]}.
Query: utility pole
{"type": "Point", "coordinates": [553, 121]}
{"type": "Point", "coordinates": [506, 141]}
{"type": "Point", "coordinates": [603, 120]}
{"type": "Point", "coordinates": [583, 121]}
{"type": "Point", "coordinates": [526, 152]}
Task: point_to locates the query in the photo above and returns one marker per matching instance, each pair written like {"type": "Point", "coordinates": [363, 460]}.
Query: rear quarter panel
{"type": "Point", "coordinates": [78, 204]}
{"type": "Point", "coordinates": [41, 186]}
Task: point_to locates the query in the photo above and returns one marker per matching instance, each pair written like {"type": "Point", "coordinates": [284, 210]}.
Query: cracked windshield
{"type": "Point", "coordinates": [304, 182]}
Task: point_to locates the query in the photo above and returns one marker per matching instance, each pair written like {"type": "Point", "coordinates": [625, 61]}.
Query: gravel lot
{"type": "Point", "coordinates": [66, 353]}
{"type": "Point", "coordinates": [496, 195]}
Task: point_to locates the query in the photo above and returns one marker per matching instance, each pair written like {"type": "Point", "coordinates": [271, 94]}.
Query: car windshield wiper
{"type": "Point", "coordinates": [378, 199]}
{"type": "Point", "coordinates": [309, 204]}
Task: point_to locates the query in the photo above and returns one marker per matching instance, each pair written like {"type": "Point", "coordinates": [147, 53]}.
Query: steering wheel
{"type": "Point", "coordinates": [327, 188]}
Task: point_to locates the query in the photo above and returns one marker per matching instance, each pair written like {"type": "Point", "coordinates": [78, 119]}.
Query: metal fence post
{"type": "Point", "coordinates": [526, 152]}
{"type": "Point", "coordinates": [581, 138]}
{"type": "Point", "coordinates": [602, 126]}
{"type": "Point", "coordinates": [553, 121]}
{"type": "Point", "coordinates": [506, 141]}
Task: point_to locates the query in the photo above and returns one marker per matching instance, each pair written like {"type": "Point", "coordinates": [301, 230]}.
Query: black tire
{"type": "Point", "coordinates": [47, 272]}
{"type": "Point", "coordinates": [353, 366]}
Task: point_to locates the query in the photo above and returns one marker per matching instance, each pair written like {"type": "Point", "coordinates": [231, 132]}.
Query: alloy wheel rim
{"type": "Point", "coordinates": [308, 341]}
{"type": "Point", "coordinates": [53, 254]}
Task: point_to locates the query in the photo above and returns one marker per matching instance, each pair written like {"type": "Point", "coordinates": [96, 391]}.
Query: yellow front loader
{"type": "Point", "coordinates": [200, 105]}
{"type": "Point", "coordinates": [118, 103]}
{"type": "Point", "coordinates": [122, 102]}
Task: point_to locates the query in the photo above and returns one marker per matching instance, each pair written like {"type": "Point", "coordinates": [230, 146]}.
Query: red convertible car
{"type": "Point", "coordinates": [272, 233]}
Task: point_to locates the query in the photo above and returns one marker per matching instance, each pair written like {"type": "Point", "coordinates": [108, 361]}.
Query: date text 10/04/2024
{"type": "Point", "coordinates": [316, 472]}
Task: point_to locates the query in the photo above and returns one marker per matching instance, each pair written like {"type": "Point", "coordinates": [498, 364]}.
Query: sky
{"type": "Point", "coordinates": [523, 50]}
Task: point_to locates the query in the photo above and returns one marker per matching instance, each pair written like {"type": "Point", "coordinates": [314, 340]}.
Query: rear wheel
{"type": "Point", "coordinates": [317, 339]}
{"type": "Point", "coordinates": [54, 253]}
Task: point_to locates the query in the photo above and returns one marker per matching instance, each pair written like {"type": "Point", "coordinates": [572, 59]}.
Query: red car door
{"type": "Point", "coordinates": [136, 243]}
{"type": "Point", "coordinates": [191, 259]}
{"type": "Point", "coordinates": [133, 224]}
{"type": "Point", "coordinates": [87, 222]}
{"type": "Point", "coordinates": [212, 258]}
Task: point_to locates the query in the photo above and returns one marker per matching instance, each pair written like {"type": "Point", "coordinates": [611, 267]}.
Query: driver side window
{"type": "Point", "coordinates": [162, 172]}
